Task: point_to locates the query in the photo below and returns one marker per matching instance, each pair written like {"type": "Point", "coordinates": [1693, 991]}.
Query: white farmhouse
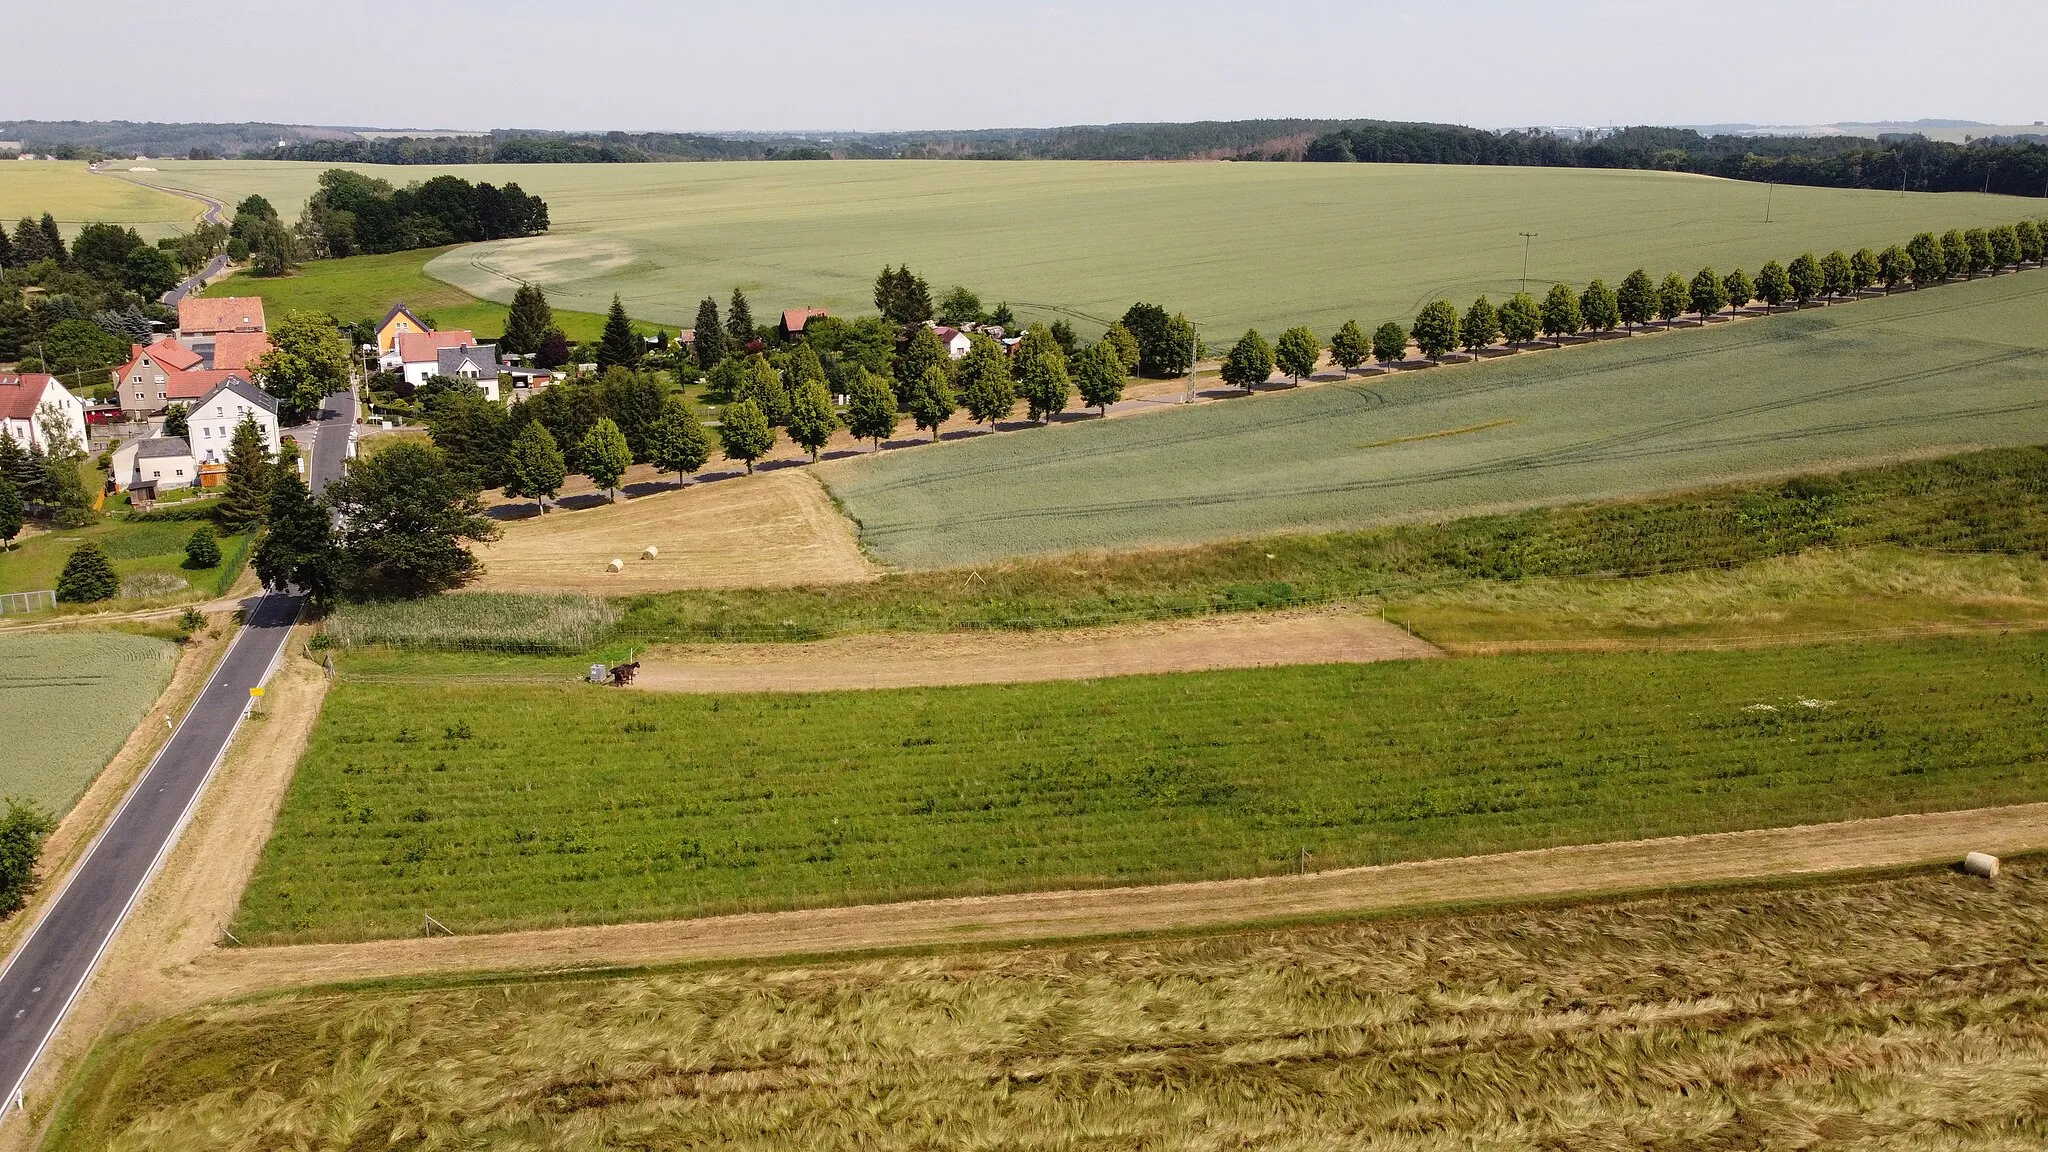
{"type": "Point", "coordinates": [216, 415]}
{"type": "Point", "coordinates": [477, 363]}
{"type": "Point", "coordinates": [28, 398]}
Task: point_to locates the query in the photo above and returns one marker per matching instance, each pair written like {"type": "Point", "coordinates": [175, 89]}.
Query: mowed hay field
{"type": "Point", "coordinates": [1901, 1012]}
{"type": "Point", "coordinates": [369, 285]}
{"type": "Point", "coordinates": [1233, 245]}
{"type": "Point", "coordinates": [499, 803]}
{"type": "Point", "coordinates": [76, 197]}
{"type": "Point", "coordinates": [1913, 374]}
{"type": "Point", "coordinates": [71, 699]}
{"type": "Point", "coordinates": [773, 529]}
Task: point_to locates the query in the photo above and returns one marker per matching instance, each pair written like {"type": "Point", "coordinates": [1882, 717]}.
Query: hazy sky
{"type": "Point", "coordinates": [797, 64]}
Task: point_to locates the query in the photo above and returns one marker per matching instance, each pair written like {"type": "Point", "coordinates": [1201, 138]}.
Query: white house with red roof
{"type": "Point", "coordinates": [956, 342]}
{"type": "Point", "coordinates": [27, 398]}
{"type": "Point", "coordinates": [163, 462]}
{"type": "Point", "coordinates": [418, 354]}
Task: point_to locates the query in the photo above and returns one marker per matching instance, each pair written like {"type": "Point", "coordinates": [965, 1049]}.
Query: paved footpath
{"type": "Point", "coordinates": [50, 968]}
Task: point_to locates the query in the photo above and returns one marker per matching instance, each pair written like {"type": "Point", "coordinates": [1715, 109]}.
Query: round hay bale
{"type": "Point", "coordinates": [1982, 864]}
{"type": "Point", "coordinates": [651, 553]}
{"type": "Point", "coordinates": [617, 565]}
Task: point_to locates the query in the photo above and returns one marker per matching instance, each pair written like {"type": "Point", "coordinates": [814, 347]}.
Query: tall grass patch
{"type": "Point", "coordinates": [1901, 1013]}
{"type": "Point", "coordinates": [500, 805]}
{"type": "Point", "coordinates": [494, 621]}
{"type": "Point", "coordinates": [70, 700]}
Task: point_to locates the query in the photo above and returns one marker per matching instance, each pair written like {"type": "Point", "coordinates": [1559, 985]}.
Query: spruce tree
{"type": "Point", "coordinates": [677, 443]}
{"type": "Point", "coordinates": [620, 346]}
{"type": "Point", "coordinates": [709, 336]}
{"type": "Point", "coordinates": [7, 259]}
{"type": "Point", "coordinates": [1636, 299]}
{"type": "Point", "coordinates": [529, 320]}
{"type": "Point", "coordinates": [744, 433]}
{"type": "Point", "coordinates": [246, 498]}
{"type": "Point", "coordinates": [53, 240]}
{"type": "Point", "coordinates": [28, 243]}
{"type": "Point", "coordinates": [811, 419]}
{"type": "Point", "coordinates": [299, 549]}
{"type": "Point", "coordinates": [1249, 361]}
{"type": "Point", "coordinates": [1349, 347]}
{"type": "Point", "coordinates": [930, 399]}
{"type": "Point", "coordinates": [739, 323]}
{"type": "Point", "coordinates": [1479, 327]}
{"type": "Point", "coordinates": [604, 456]}
{"type": "Point", "coordinates": [19, 466]}
{"type": "Point", "coordinates": [12, 513]}
{"type": "Point", "coordinates": [536, 469]}
{"type": "Point", "coordinates": [870, 407]}
{"type": "Point", "coordinates": [1436, 329]}
{"type": "Point", "coordinates": [202, 550]}
{"type": "Point", "coordinates": [88, 576]}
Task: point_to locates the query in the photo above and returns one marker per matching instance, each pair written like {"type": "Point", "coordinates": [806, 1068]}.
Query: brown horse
{"type": "Point", "coordinates": [622, 674]}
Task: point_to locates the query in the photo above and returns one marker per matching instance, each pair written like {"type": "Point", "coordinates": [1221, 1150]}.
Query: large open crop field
{"type": "Point", "coordinates": [1900, 1012]}
{"type": "Point", "coordinates": [1915, 373]}
{"type": "Point", "coordinates": [502, 801]}
{"type": "Point", "coordinates": [71, 699]}
{"type": "Point", "coordinates": [76, 197]}
{"type": "Point", "coordinates": [1231, 244]}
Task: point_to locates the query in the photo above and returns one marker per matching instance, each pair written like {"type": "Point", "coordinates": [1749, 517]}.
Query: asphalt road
{"type": "Point", "coordinates": [52, 965]}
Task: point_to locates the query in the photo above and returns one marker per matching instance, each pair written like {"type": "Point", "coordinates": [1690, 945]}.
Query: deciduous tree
{"type": "Point", "coordinates": [1955, 253]}
{"type": "Point", "coordinates": [1598, 307]}
{"type": "Point", "coordinates": [1674, 298]}
{"type": "Point", "coordinates": [308, 361]}
{"type": "Point", "coordinates": [930, 399]}
{"type": "Point", "coordinates": [921, 353]}
{"type": "Point", "coordinates": [1436, 329]}
{"type": "Point", "coordinates": [957, 308]}
{"type": "Point", "coordinates": [870, 407]}
{"type": "Point", "coordinates": [299, 550]}
{"type": "Point", "coordinates": [1125, 346]}
{"type": "Point", "coordinates": [1804, 275]}
{"type": "Point", "coordinates": [553, 351]}
{"type": "Point", "coordinates": [744, 432]}
{"type": "Point", "coordinates": [1560, 313]}
{"type": "Point", "coordinates": [1390, 343]}
{"type": "Point", "coordinates": [22, 832]}
{"type": "Point", "coordinates": [1637, 299]}
{"type": "Point", "coordinates": [811, 419]}
{"type": "Point", "coordinates": [763, 385]}
{"type": "Point", "coordinates": [1929, 264]}
{"type": "Point", "coordinates": [1042, 376]}
{"type": "Point", "coordinates": [604, 456]}
{"type": "Point", "coordinates": [1249, 361]}
{"type": "Point", "coordinates": [536, 469]}
{"type": "Point", "coordinates": [2005, 246]}
{"type": "Point", "coordinates": [1708, 297]}
{"type": "Point", "coordinates": [1773, 285]}
{"type": "Point", "coordinates": [1349, 346]}
{"type": "Point", "coordinates": [1863, 269]}
{"type": "Point", "coordinates": [983, 377]}
{"type": "Point", "coordinates": [1739, 288]}
{"type": "Point", "coordinates": [1177, 354]}
{"type": "Point", "coordinates": [1099, 374]}
{"type": "Point", "coordinates": [1297, 352]}
{"type": "Point", "coordinates": [679, 443]}
{"type": "Point", "coordinates": [404, 515]}
{"type": "Point", "coordinates": [1894, 267]}
{"type": "Point", "coordinates": [2030, 237]}
{"type": "Point", "coordinates": [1519, 319]}
{"type": "Point", "coordinates": [1836, 276]}
{"type": "Point", "coordinates": [1479, 327]}
{"type": "Point", "coordinates": [1977, 242]}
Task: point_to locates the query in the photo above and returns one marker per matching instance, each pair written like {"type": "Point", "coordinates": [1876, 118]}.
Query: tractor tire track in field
{"type": "Point", "coordinates": [1545, 874]}
{"type": "Point", "coordinates": [1598, 450]}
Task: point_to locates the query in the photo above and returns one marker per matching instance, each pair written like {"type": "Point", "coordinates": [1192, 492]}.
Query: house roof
{"type": "Point", "coordinates": [161, 447]}
{"type": "Point", "coordinates": [449, 360]}
{"type": "Point", "coordinates": [20, 395]}
{"type": "Point", "coordinates": [220, 313]}
{"type": "Point", "coordinates": [235, 383]}
{"type": "Point", "coordinates": [167, 352]}
{"type": "Point", "coordinates": [186, 387]}
{"type": "Point", "coordinates": [239, 350]}
{"type": "Point", "coordinates": [794, 319]}
{"type": "Point", "coordinates": [395, 310]}
{"type": "Point", "coordinates": [424, 347]}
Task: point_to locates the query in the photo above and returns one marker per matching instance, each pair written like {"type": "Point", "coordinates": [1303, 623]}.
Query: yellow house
{"type": "Point", "coordinates": [398, 322]}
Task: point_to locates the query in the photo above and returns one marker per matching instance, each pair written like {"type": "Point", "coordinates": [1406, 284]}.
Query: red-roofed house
{"type": "Point", "coordinates": [956, 342]}
{"type": "Point", "coordinates": [418, 354]}
{"type": "Point", "coordinates": [794, 319]}
{"type": "Point", "coordinates": [239, 351]}
{"type": "Point", "coordinates": [143, 385]}
{"type": "Point", "coordinates": [212, 315]}
{"type": "Point", "coordinates": [25, 398]}
{"type": "Point", "coordinates": [398, 322]}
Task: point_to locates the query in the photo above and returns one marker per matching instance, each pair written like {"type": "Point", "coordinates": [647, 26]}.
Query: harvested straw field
{"type": "Point", "coordinates": [1916, 374]}
{"type": "Point", "coordinates": [776, 529]}
{"type": "Point", "coordinates": [1900, 1012]}
{"type": "Point", "coordinates": [499, 803]}
{"type": "Point", "coordinates": [71, 699]}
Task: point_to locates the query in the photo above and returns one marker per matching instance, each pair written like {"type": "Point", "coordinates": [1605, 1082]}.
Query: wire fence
{"type": "Point", "coordinates": [22, 603]}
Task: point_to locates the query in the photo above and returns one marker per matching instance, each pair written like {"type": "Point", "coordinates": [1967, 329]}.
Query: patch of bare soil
{"type": "Point", "coordinates": [768, 530]}
{"type": "Point", "coordinates": [183, 911]}
{"type": "Point", "coordinates": [905, 660]}
{"type": "Point", "coordinates": [1579, 871]}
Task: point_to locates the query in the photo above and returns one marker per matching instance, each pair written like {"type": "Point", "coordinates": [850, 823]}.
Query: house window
{"type": "Point", "coordinates": [206, 432]}
{"type": "Point", "coordinates": [181, 471]}
{"type": "Point", "coordinates": [138, 378]}
{"type": "Point", "coordinates": [156, 475]}
{"type": "Point", "coordinates": [160, 396]}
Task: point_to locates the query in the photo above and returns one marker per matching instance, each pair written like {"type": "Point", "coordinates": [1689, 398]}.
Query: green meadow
{"type": "Point", "coordinates": [1913, 374]}
{"type": "Point", "coordinates": [1233, 245]}
{"type": "Point", "coordinates": [503, 801]}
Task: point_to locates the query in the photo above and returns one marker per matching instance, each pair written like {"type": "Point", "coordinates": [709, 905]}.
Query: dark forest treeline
{"type": "Point", "coordinates": [1912, 162]}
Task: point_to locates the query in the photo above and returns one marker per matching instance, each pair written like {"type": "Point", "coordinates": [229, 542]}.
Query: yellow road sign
{"type": "Point", "coordinates": [255, 691]}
